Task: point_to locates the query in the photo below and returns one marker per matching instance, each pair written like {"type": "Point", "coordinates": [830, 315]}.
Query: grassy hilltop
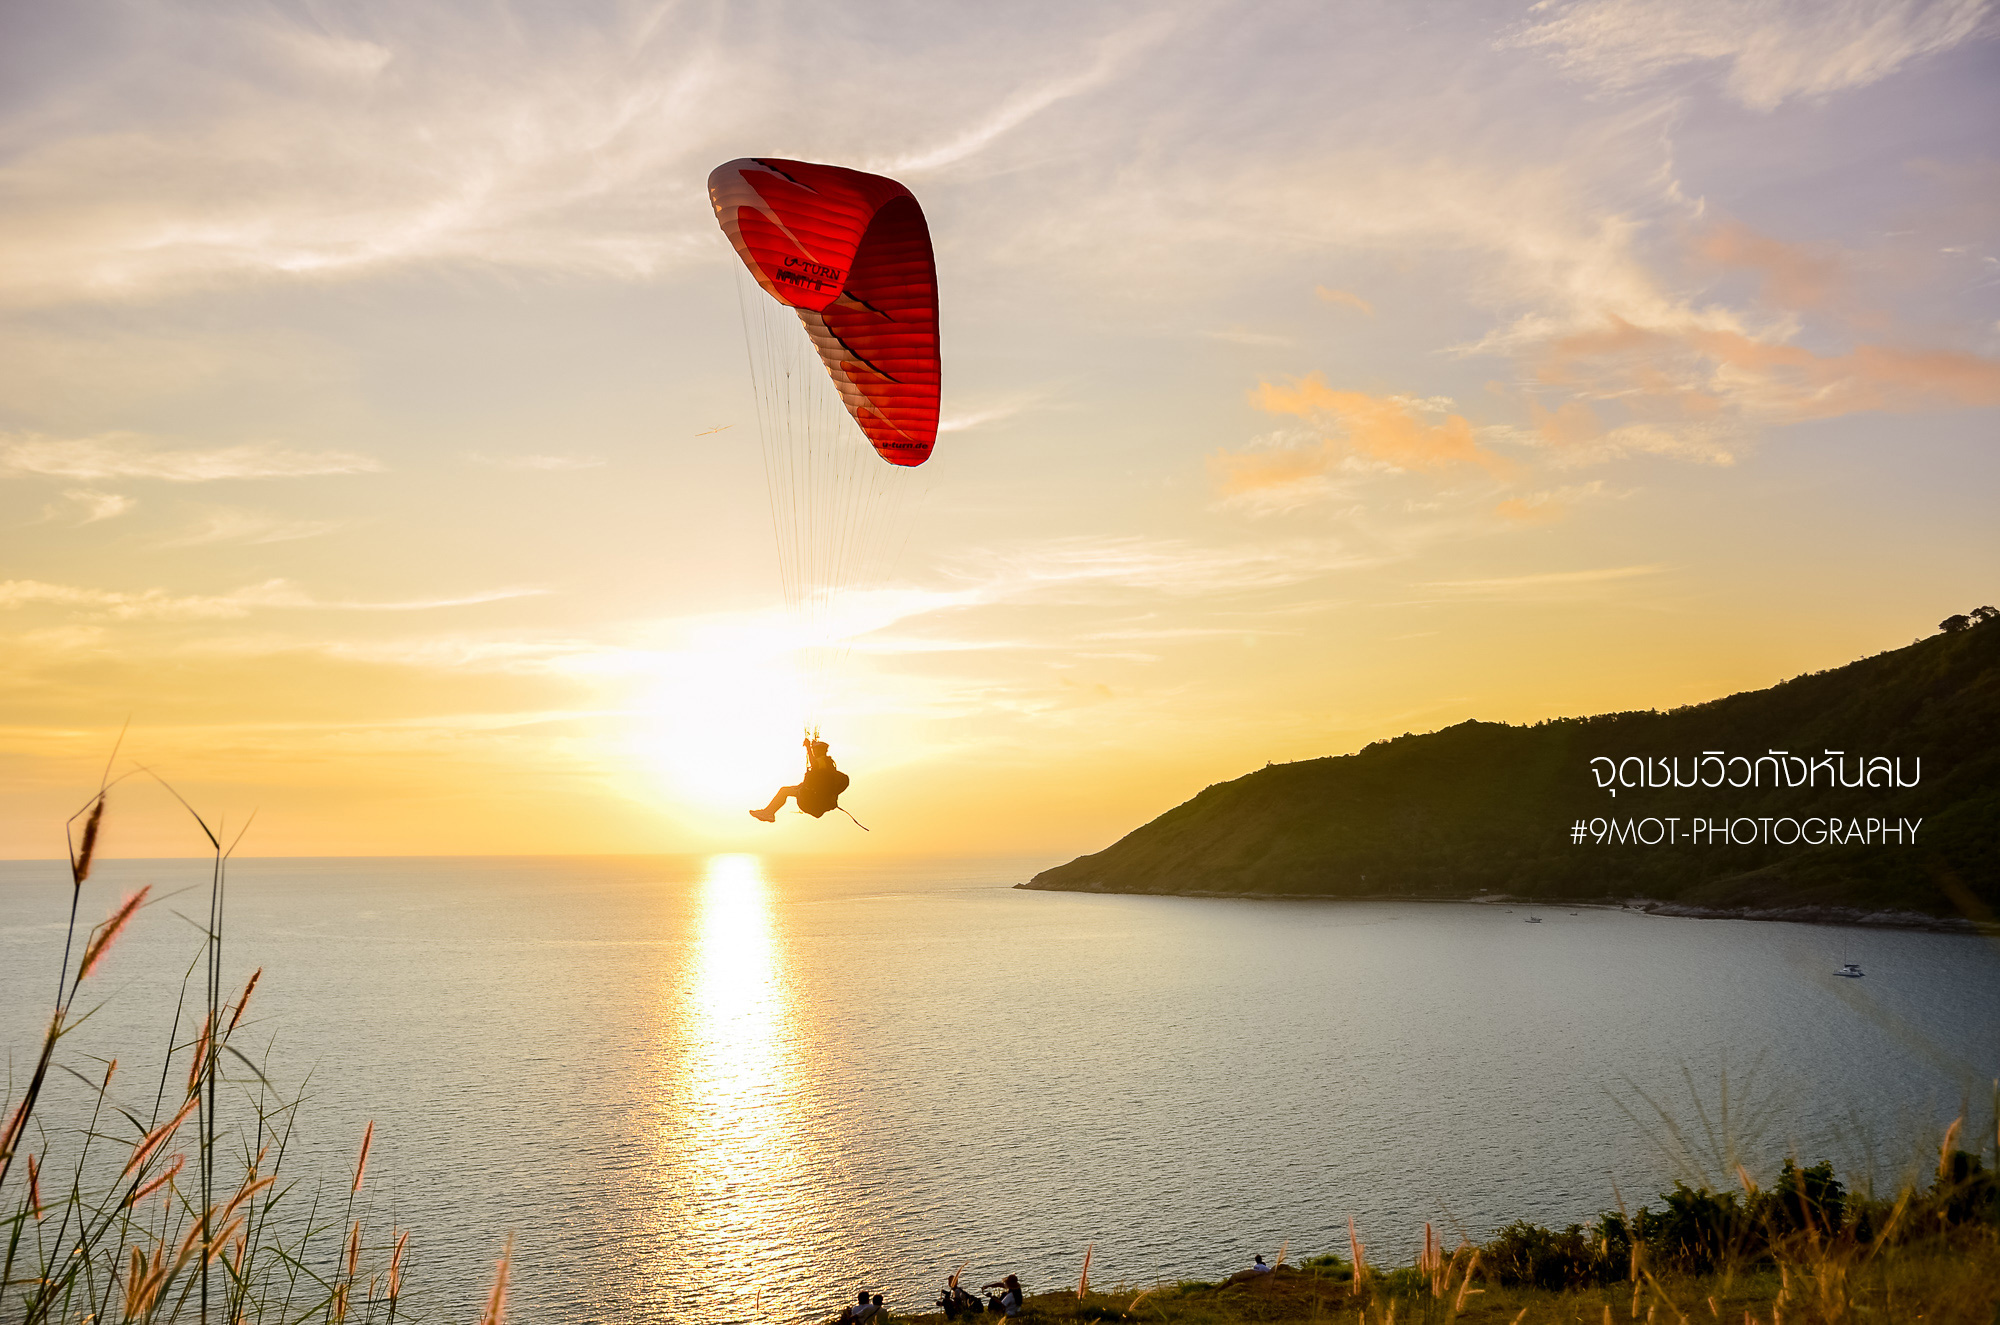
{"type": "Point", "coordinates": [1484, 806]}
{"type": "Point", "coordinates": [1802, 1250]}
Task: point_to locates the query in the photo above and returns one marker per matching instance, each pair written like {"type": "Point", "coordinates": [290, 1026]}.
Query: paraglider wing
{"type": "Point", "coordinates": [851, 253]}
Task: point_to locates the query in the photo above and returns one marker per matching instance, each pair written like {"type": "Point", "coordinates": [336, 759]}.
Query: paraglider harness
{"type": "Point", "coordinates": [819, 790]}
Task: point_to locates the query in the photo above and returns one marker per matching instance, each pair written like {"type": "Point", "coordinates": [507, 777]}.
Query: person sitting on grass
{"type": "Point", "coordinates": [817, 792]}
{"type": "Point", "coordinates": [1009, 1301]}
{"type": "Point", "coordinates": [1259, 1267]}
{"type": "Point", "coordinates": [862, 1309]}
{"type": "Point", "coordinates": [956, 1302]}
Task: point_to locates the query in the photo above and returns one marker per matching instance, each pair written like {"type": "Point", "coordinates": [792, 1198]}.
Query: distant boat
{"type": "Point", "coordinates": [1851, 971]}
{"type": "Point", "coordinates": [1536, 920]}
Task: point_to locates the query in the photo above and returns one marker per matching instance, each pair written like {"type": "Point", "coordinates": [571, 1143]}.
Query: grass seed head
{"type": "Point", "coordinates": [1360, 1264]}
{"type": "Point", "coordinates": [396, 1263]}
{"type": "Point", "coordinates": [1950, 1144]}
{"type": "Point", "coordinates": [361, 1164]}
{"type": "Point", "coordinates": [1466, 1289]}
{"type": "Point", "coordinates": [153, 1186]}
{"type": "Point", "coordinates": [79, 861]}
{"type": "Point", "coordinates": [153, 1140]}
{"type": "Point", "coordinates": [102, 936]}
{"type": "Point", "coordinates": [496, 1302]}
{"type": "Point", "coordinates": [136, 1296]}
{"type": "Point", "coordinates": [218, 1244]}
{"type": "Point", "coordinates": [198, 1063]}
{"type": "Point", "coordinates": [244, 1001]}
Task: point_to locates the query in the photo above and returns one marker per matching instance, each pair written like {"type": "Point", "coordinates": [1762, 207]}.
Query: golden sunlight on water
{"type": "Point", "coordinates": [732, 1143]}
{"type": "Point", "coordinates": [737, 995]}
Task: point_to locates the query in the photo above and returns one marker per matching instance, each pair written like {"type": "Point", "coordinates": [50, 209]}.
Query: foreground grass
{"type": "Point", "coordinates": [163, 1195]}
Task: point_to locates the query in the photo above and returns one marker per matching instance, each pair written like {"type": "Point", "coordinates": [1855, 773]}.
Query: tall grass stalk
{"type": "Point", "coordinates": [164, 1213]}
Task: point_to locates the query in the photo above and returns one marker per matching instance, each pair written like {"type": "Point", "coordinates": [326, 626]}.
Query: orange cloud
{"type": "Point", "coordinates": [1384, 428]}
{"type": "Point", "coordinates": [1569, 425]}
{"type": "Point", "coordinates": [1698, 371]}
{"type": "Point", "coordinates": [1793, 275]}
{"type": "Point", "coordinates": [1344, 297]}
{"type": "Point", "coordinates": [1239, 472]}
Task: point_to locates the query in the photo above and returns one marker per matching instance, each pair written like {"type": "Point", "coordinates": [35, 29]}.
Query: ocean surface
{"type": "Point", "coordinates": [731, 1089]}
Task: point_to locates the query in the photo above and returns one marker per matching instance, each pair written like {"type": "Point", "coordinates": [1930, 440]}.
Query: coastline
{"type": "Point", "coordinates": [1847, 916]}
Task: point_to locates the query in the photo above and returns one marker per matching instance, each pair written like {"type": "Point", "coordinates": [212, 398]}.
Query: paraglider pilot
{"type": "Point", "coordinates": [817, 792]}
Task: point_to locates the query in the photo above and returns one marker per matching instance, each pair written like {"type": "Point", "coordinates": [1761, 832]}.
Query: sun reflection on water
{"type": "Point", "coordinates": [739, 1000]}
{"type": "Point", "coordinates": [733, 1135]}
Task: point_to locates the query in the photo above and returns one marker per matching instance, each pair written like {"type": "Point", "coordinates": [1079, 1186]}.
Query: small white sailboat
{"type": "Point", "coordinates": [1532, 920]}
{"type": "Point", "coordinates": [1851, 971]}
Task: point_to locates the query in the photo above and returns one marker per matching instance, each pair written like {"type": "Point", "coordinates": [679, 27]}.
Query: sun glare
{"type": "Point", "coordinates": [721, 728]}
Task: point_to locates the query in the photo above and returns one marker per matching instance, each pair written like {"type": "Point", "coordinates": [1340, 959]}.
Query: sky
{"type": "Point", "coordinates": [377, 439]}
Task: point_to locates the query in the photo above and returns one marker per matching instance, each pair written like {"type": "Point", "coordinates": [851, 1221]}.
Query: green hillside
{"type": "Point", "coordinates": [1484, 806]}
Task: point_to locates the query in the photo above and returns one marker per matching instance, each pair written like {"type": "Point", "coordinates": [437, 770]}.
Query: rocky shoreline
{"type": "Point", "coordinates": [1797, 914]}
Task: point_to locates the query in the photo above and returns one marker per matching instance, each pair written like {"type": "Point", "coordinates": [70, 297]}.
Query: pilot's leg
{"type": "Point", "coordinates": [770, 812]}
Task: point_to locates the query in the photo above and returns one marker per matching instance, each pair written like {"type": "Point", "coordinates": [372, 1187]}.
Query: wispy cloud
{"type": "Point", "coordinates": [971, 419]}
{"type": "Point", "coordinates": [125, 455]}
{"type": "Point", "coordinates": [1344, 298]}
{"type": "Point", "coordinates": [1545, 584]}
{"type": "Point", "coordinates": [312, 152]}
{"type": "Point", "coordinates": [985, 408]}
{"type": "Point", "coordinates": [1083, 566]}
{"type": "Point", "coordinates": [158, 604]}
{"type": "Point", "coordinates": [1774, 50]}
{"type": "Point", "coordinates": [327, 147]}
{"type": "Point", "coordinates": [541, 463]}
{"type": "Point", "coordinates": [1114, 52]}
{"type": "Point", "coordinates": [250, 528]}
{"type": "Point", "coordinates": [1244, 336]}
{"type": "Point", "coordinates": [92, 505]}
{"type": "Point", "coordinates": [1550, 506]}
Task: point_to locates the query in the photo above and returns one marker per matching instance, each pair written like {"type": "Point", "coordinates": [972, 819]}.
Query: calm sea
{"type": "Point", "coordinates": [724, 1089]}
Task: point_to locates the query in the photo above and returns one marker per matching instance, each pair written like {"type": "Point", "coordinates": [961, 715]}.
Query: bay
{"type": "Point", "coordinates": [730, 1088]}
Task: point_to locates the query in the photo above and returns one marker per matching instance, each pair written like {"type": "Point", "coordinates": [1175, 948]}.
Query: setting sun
{"type": "Point", "coordinates": [718, 723]}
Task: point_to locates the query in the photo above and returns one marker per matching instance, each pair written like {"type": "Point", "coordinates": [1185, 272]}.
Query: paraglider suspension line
{"type": "Point", "coordinates": [850, 814]}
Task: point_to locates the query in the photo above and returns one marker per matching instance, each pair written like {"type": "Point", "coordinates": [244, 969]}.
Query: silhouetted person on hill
{"type": "Point", "coordinates": [817, 792]}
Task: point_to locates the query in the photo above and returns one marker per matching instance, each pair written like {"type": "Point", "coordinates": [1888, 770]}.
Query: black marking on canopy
{"type": "Point", "coordinates": [856, 299]}
{"type": "Point", "coordinates": [858, 355]}
{"type": "Point", "coordinates": [782, 175]}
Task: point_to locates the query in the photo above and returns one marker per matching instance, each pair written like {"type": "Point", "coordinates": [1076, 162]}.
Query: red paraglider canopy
{"type": "Point", "coordinates": [851, 253]}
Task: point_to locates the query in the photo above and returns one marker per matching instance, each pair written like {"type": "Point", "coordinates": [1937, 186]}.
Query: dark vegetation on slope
{"type": "Point", "coordinates": [1487, 807]}
{"type": "Point", "coordinates": [1805, 1250]}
